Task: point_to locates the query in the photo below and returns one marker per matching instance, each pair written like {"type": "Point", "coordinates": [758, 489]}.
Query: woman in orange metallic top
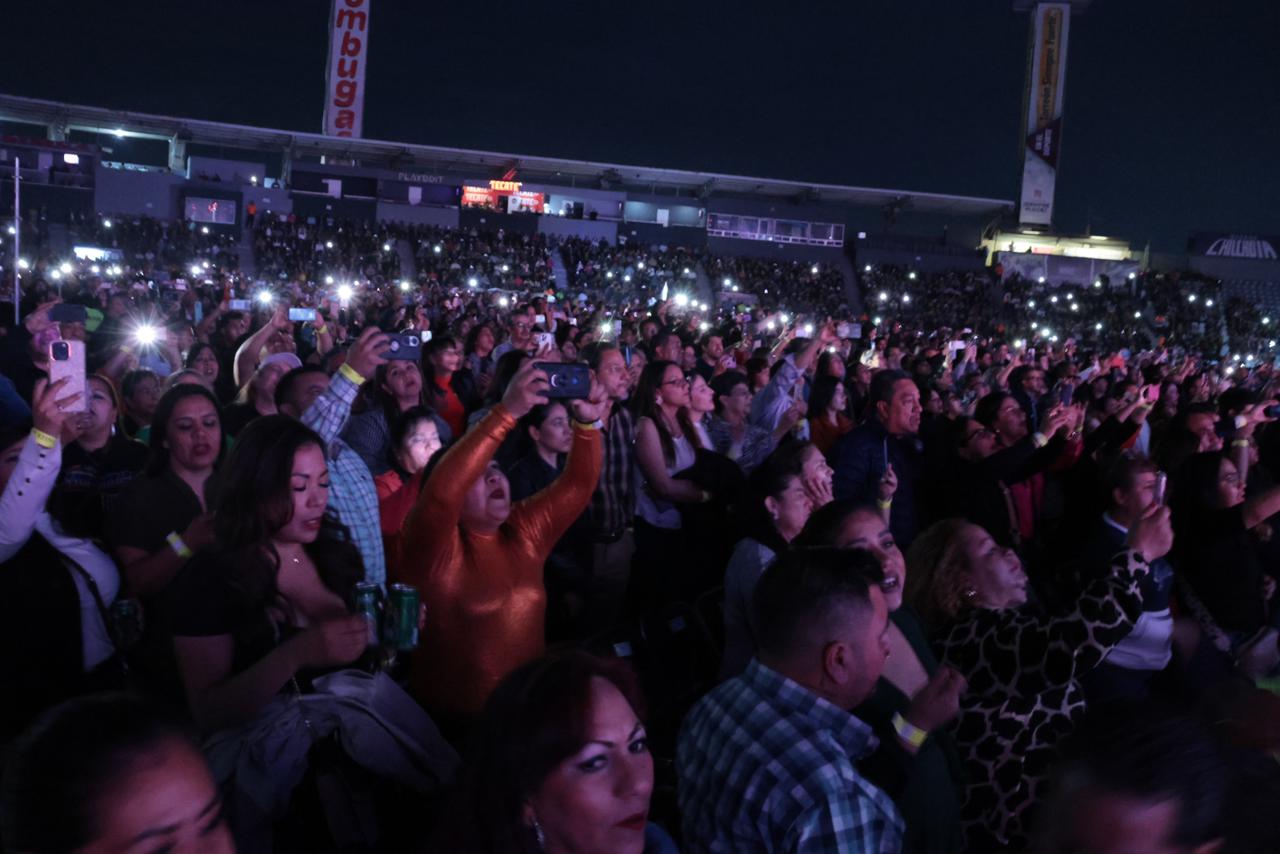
{"type": "Point", "coordinates": [477, 560]}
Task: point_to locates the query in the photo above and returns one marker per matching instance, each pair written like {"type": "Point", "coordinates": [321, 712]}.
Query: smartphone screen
{"type": "Point", "coordinates": [307, 315]}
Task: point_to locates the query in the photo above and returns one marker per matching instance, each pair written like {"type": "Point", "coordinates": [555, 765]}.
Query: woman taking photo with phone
{"type": "Point", "coordinates": [478, 559]}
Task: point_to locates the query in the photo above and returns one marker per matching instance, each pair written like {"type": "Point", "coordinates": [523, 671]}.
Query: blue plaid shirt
{"type": "Point", "coordinates": [352, 495]}
{"type": "Point", "coordinates": [766, 765]}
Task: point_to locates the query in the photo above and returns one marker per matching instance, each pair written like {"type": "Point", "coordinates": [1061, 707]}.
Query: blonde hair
{"type": "Point", "coordinates": [938, 573]}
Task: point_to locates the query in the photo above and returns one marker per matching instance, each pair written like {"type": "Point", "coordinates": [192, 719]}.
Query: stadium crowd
{"type": "Point", "coordinates": [490, 567]}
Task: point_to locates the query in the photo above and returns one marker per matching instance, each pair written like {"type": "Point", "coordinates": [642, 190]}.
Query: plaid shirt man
{"type": "Point", "coordinates": [766, 765]}
{"type": "Point", "coordinates": [352, 495]}
{"type": "Point", "coordinates": [613, 505]}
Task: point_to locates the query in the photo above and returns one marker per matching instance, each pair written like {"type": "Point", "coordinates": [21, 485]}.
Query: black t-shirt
{"type": "Point", "coordinates": [149, 509]}
{"type": "Point", "coordinates": [89, 480]}
{"type": "Point", "coordinates": [1220, 558]}
{"type": "Point", "coordinates": [203, 601]}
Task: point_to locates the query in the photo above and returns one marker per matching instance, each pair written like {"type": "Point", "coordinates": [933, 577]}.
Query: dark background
{"type": "Point", "coordinates": [1171, 120]}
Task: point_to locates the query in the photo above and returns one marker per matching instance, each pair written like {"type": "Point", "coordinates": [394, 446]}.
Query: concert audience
{"type": "Point", "coordinates": [1029, 457]}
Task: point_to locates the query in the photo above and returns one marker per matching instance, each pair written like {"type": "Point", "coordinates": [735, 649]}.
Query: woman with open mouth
{"type": "Point", "coordinates": [478, 559]}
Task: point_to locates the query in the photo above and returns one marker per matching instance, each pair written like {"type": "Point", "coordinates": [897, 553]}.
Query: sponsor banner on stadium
{"type": "Point", "coordinates": [1248, 246]}
{"type": "Point", "coordinates": [348, 56]}
{"type": "Point", "coordinates": [1046, 80]}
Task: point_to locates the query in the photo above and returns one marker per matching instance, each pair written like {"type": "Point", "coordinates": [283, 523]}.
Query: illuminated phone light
{"type": "Point", "coordinates": [866, 269]}
{"type": "Point", "coordinates": [1266, 321]}
{"type": "Point", "coordinates": [876, 320]}
{"type": "Point", "coordinates": [1018, 344]}
{"type": "Point", "coordinates": [204, 229]}
{"type": "Point", "coordinates": [1097, 283]}
{"type": "Point", "coordinates": [1097, 326]}
{"type": "Point", "coordinates": [884, 296]}
{"type": "Point", "coordinates": [728, 282]}
{"type": "Point", "coordinates": [196, 269]}
{"type": "Point", "coordinates": [437, 249]}
{"type": "Point", "coordinates": [769, 325]}
{"type": "Point", "coordinates": [1034, 324]}
{"type": "Point", "coordinates": [1191, 297]}
{"type": "Point", "coordinates": [911, 276]}
{"type": "Point", "coordinates": [1133, 276]}
{"type": "Point", "coordinates": [66, 267]}
{"type": "Point", "coordinates": [906, 298]}
{"type": "Point", "coordinates": [106, 223]}
{"type": "Point", "coordinates": [1075, 306]}
{"type": "Point", "coordinates": [95, 269]}
{"type": "Point", "coordinates": [783, 317]}
{"type": "Point", "coordinates": [473, 282]}
{"type": "Point", "coordinates": [386, 247]}
{"type": "Point", "coordinates": [345, 293]}
{"type": "Point", "coordinates": [23, 264]}
{"type": "Point", "coordinates": [609, 274]}
{"type": "Point", "coordinates": [506, 268]}
{"type": "Point", "coordinates": [1053, 300]}
{"type": "Point", "coordinates": [265, 297]}
{"type": "Point", "coordinates": [404, 286]}
{"type": "Point", "coordinates": [814, 269]}
{"type": "Point", "coordinates": [503, 301]}
{"type": "Point", "coordinates": [328, 280]}
{"type": "Point", "coordinates": [704, 326]}
{"type": "Point", "coordinates": [808, 329]}
{"type": "Point", "coordinates": [1137, 314]}
{"type": "Point", "coordinates": [1031, 303]}
{"type": "Point", "coordinates": [1040, 280]}
{"type": "Point", "coordinates": [1208, 303]}
{"type": "Point", "coordinates": [627, 277]}
{"type": "Point", "coordinates": [682, 300]}
{"type": "Point", "coordinates": [205, 265]}
{"type": "Point", "coordinates": [328, 244]}
{"type": "Point", "coordinates": [145, 334]}
{"type": "Point", "coordinates": [55, 275]}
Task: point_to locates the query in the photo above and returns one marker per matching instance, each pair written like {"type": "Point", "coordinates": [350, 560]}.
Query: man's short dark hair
{"type": "Point", "coordinates": [1143, 751]}
{"type": "Point", "coordinates": [593, 352]}
{"type": "Point", "coordinates": [882, 384]}
{"type": "Point", "coordinates": [1124, 472]}
{"type": "Point", "coordinates": [799, 592]}
{"type": "Point", "coordinates": [285, 387]}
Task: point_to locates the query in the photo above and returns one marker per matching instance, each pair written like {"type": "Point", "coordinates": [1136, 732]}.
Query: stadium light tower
{"type": "Point", "coordinates": [1042, 105]}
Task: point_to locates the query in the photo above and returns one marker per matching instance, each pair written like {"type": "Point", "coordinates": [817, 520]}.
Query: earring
{"type": "Point", "coordinates": [541, 837]}
{"type": "Point", "coordinates": [969, 594]}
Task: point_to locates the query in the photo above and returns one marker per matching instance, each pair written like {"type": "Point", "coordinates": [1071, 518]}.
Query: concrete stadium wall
{"type": "Point", "coordinates": [584, 228]}
{"type": "Point", "coordinates": [418, 214]}
{"type": "Point", "coordinates": [137, 193]}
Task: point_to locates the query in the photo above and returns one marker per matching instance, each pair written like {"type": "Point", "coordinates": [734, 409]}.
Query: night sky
{"type": "Point", "coordinates": [1171, 121]}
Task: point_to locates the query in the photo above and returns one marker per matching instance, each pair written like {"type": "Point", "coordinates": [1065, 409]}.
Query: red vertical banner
{"type": "Point", "coordinates": [348, 56]}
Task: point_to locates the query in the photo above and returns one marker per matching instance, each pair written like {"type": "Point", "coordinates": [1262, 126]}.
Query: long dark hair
{"type": "Point", "coordinates": [646, 405]}
{"type": "Point", "coordinates": [533, 721]}
{"type": "Point", "coordinates": [76, 753]}
{"type": "Point", "coordinates": [824, 391]}
{"type": "Point", "coordinates": [253, 500]}
{"type": "Point", "coordinates": [769, 480]}
{"type": "Point", "coordinates": [1194, 492]}
{"type": "Point", "coordinates": [401, 427]}
{"type": "Point", "coordinates": [387, 402]}
{"type": "Point", "coordinates": [195, 351]}
{"type": "Point", "coordinates": [158, 459]}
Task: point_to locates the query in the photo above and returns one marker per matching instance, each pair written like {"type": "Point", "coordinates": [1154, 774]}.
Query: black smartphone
{"type": "Point", "coordinates": [405, 347]}
{"type": "Point", "coordinates": [568, 381]}
{"type": "Point", "coordinates": [68, 312]}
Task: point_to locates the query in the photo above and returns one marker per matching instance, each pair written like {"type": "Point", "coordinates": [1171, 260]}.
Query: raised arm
{"type": "Point", "coordinates": [36, 472]}
{"type": "Point", "coordinates": [329, 414]}
{"type": "Point", "coordinates": [439, 506]}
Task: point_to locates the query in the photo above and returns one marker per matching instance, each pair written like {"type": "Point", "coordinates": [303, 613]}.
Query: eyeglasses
{"type": "Point", "coordinates": [678, 381]}
{"type": "Point", "coordinates": [983, 433]}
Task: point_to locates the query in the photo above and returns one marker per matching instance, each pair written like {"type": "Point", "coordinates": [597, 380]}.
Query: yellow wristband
{"type": "Point", "coordinates": [884, 504]}
{"type": "Point", "coordinates": [176, 543]}
{"type": "Point", "coordinates": [1239, 443]}
{"type": "Point", "coordinates": [912, 735]}
{"type": "Point", "coordinates": [1039, 439]}
{"type": "Point", "coordinates": [351, 374]}
{"type": "Point", "coordinates": [42, 438]}
{"type": "Point", "coordinates": [322, 329]}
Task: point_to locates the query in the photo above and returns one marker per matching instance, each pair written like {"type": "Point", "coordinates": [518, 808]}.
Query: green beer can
{"type": "Point", "coordinates": [369, 606]}
{"type": "Point", "coordinates": [400, 623]}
